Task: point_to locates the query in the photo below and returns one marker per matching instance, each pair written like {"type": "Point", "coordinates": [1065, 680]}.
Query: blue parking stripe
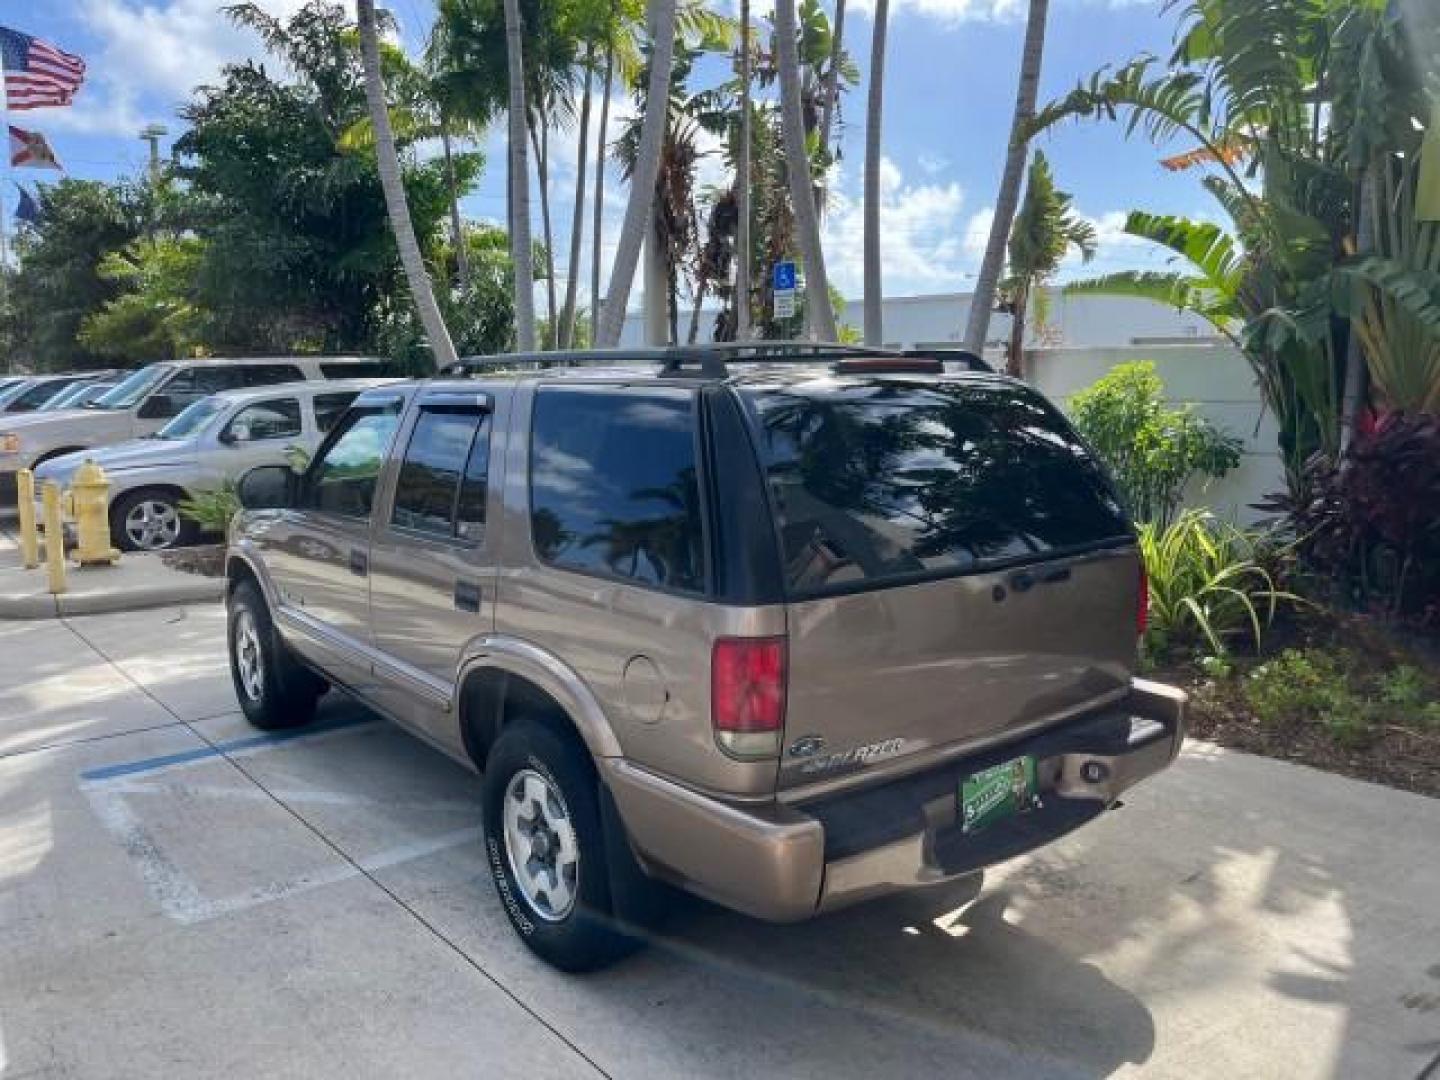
{"type": "Point", "coordinates": [130, 768]}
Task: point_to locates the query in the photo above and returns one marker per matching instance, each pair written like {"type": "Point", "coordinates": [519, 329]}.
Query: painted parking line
{"type": "Point", "coordinates": [116, 791]}
{"type": "Point", "coordinates": [220, 749]}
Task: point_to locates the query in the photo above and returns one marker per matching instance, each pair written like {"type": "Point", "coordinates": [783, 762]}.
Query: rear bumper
{"type": "Point", "coordinates": [786, 863]}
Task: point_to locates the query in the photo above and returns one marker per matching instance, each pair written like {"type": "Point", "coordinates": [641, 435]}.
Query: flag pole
{"type": "Point", "coordinates": [4, 213]}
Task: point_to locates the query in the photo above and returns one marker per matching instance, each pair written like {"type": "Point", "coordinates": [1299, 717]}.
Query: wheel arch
{"type": "Point", "coordinates": [509, 679]}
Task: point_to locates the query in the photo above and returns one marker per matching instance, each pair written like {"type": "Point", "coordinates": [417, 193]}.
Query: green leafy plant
{"type": "Point", "coordinates": [1152, 449]}
{"type": "Point", "coordinates": [212, 510]}
{"type": "Point", "coordinates": [1208, 584]}
{"type": "Point", "coordinates": [1311, 686]}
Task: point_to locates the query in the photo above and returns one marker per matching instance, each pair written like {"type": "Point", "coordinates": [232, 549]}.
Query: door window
{"type": "Point", "coordinates": [278, 419]}
{"type": "Point", "coordinates": [343, 478]}
{"type": "Point", "coordinates": [613, 487]}
{"type": "Point", "coordinates": [437, 489]}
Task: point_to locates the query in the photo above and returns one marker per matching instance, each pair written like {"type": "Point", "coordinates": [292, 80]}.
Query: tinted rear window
{"type": "Point", "coordinates": [892, 479]}
{"type": "Point", "coordinates": [613, 484]}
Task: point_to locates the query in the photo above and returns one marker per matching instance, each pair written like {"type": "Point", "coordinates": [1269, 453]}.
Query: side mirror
{"type": "Point", "coordinates": [270, 487]}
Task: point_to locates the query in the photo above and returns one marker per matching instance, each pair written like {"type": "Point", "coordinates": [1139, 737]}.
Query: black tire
{"type": "Point", "coordinates": [586, 935]}
{"type": "Point", "coordinates": [186, 533]}
{"type": "Point", "coordinates": [278, 692]}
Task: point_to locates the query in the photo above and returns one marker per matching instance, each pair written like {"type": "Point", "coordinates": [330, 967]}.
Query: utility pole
{"type": "Point", "coordinates": [153, 133]}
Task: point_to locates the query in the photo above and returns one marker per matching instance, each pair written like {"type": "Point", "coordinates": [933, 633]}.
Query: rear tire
{"type": "Point", "coordinates": [149, 519]}
{"type": "Point", "coordinates": [546, 846]}
{"type": "Point", "coordinates": [275, 690]}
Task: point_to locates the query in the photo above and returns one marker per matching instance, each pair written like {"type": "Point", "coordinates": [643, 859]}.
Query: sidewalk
{"type": "Point", "coordinates": [136, 582]}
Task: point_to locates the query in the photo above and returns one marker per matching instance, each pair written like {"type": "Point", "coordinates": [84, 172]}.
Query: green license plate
{"type": "Point", "coordinates": [996, 793]}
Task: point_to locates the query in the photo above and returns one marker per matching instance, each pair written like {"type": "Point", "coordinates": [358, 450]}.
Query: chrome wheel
{"type": "Point", "coordinates": [249, 661]}
{"type": "Point", "coordinates": [152, 525]}
{"type": "Point", "coordinates": [540, 845]}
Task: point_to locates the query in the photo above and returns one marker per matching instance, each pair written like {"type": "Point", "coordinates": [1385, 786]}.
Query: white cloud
{"type": "Point", "coordinates": [152, 54]}
{"type": "Point", "coordinates": [922, 235]}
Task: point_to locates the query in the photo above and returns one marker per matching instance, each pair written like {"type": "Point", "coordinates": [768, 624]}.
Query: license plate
{"type": "Point", "coordinates": [996, 793]}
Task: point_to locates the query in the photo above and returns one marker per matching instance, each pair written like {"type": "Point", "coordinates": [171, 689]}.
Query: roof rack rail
{"type": "Point", "coordinates": [707, 360]}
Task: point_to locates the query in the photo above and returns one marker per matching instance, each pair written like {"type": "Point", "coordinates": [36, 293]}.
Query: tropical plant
{"type": "Point", "coordinates": [744, 177]}
{"type": "Point", "coordinates": [1368, 528]}
{"type": "Point", "coordinates": [299, 254]}
{"type": "Point", "coordinates": [1045, 230]}
{"type": "Point", "coordinates": [155, 317]}
{"type": "Point", "coordinates": [397, 205]}
{"type": "Point", "coordinates": [819, 315]}
{"type": "Point", "coordinates": [60, 284]}
{"type": "Point", "coordinates": [1314, 97]}
{"type": "Point", "coordinates": [519, 182]}
{"type": "Point", "coordinates": [1152, 450]}
{"type": "Point", "coordinates": [1033, 52]}
{"type": "Point", "coordinates": [1209, 585]}
{"type": "Point", "coordinates": [212, 510]}
{"type": "Point", "coordinates": [661, 25]}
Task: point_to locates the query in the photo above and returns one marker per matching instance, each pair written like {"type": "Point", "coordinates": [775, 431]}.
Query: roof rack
{"type": "Point", "coordinates": [705, 360]}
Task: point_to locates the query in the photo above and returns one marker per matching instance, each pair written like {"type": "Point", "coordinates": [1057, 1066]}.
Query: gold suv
{"type": "Point", "coordinates": [788, 626]}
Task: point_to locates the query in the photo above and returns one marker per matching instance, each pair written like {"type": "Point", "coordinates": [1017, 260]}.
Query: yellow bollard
{"type": "Point", "coordinates": [54, 538]}
{"type": "Point", "coordinates": [90, 508]}
{"type": "Point", "coordinates": [29, 539]}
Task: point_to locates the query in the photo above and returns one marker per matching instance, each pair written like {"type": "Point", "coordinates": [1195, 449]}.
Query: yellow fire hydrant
{"type": "Point", "coordinates": [90, 508]}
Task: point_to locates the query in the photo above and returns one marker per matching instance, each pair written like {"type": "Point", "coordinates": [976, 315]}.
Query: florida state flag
{"type": "Point", "coordinates": [30, 150]}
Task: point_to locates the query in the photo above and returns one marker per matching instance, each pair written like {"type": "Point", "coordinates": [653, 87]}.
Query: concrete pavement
{"type": "Point", "coordinates": [179, 896]}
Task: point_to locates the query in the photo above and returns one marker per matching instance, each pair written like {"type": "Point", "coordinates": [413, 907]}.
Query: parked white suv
{"type": "Point", "coordinates": [216, 440]}
{"type": "Point", "coordinates": [151, 397]}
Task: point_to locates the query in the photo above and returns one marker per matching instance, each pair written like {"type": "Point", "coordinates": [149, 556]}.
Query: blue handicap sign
{"type": "Point", "coordinates": [784, 276]}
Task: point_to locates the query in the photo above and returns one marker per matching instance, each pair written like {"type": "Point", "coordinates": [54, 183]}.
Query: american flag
{"type": "Point", "coordinates": [38, 74]}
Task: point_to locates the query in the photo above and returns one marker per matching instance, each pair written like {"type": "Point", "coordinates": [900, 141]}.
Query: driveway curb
{"type": "Point", "coordinates": [138, 583]}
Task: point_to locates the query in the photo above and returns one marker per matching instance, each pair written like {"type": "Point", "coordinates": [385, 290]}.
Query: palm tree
{"type": "Point", "coordinates": [388, 163]}
{"type": "Point", "coordinates": [742, 186]}
{"type": "Point", "coordinates": [802, 188]}
{"type": "Point", "coordinates": [566, 333]}
{"type": "Point", "coordinates": [661, 20]}
{"type": "Point", "coordinates": [1045, 230]}
{"type": "Point", "coordinates": [831, 102]}
{"type": "Point", "coordinates": [521, 253]}
{"type": "Point", "coordinates": [981, 303]}
{"type": "Point", "coordinates": [598, 222]}
{"type": "Point", "coordinates": [874, 317]}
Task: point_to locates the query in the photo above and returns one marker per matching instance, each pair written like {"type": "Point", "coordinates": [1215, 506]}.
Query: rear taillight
{"type": "Point", "coordinates": [1142, 608]}
{"type": "Point", "coordinates": [747, 695]}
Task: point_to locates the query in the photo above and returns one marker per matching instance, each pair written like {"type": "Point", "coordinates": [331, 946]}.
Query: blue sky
{"type": "Point", "coordinates": [950, 85]}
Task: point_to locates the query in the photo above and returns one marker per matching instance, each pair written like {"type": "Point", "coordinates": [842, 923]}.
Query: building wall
{"type": "Point", "coordinates": [1075, 321]}
{"type": "Point", "coordinates": [1217, 379]}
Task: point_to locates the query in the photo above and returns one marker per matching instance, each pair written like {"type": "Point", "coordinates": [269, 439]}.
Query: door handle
{"type": "Point", "coordinates": [467, 596]}
{"type": "Point", "coordinates": [359, 562]}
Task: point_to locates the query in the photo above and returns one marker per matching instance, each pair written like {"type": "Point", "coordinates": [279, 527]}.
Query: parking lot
{"type": "Point", "coordinates": [181, 896]}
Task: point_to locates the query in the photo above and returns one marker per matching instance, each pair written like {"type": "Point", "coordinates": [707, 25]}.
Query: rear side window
{"type": "Point", "coordinates": [37, 395]}
{"type": "Point", "coordinates": [272, 374]}
{"type": "Point", "coordinates": [613, 486]}
{"type": "Point", "coordinates": [442, 474]}
{"type": "Point", "coordinates": [278, 419]}
{"type": "Point", "coordinates": [887, 480]}
{"type": "Point", "coordinates": [330, 407]}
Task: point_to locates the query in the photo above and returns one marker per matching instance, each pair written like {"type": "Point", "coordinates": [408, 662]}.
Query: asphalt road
{"type": "Point", "coordinates": [179, 897]}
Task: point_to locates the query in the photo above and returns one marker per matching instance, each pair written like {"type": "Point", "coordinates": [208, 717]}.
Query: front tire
{"type": "Point", "coordinates": [545, 843]}
{"type": "Point", "coordinates": [274, 689]}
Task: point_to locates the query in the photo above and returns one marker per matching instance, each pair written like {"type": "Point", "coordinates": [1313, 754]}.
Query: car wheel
{"type": "Point", "coordinates": [274, 689]}
{"type": "Point", "coordinates": [150, 520]}
{"type": "Point", "coordinates": [546, 848]}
